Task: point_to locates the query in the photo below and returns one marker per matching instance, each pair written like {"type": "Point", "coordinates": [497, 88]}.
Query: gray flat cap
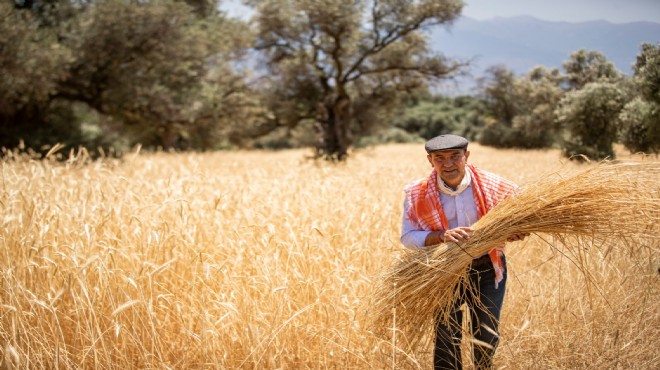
{"type": "Point", "coordinates": [446, 142]}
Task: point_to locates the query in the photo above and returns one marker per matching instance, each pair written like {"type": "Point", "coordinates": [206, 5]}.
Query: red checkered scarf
{"type": "Point", "coordinates": [426, 213]}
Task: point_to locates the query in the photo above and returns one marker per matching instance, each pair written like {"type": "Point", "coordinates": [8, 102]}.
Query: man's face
{"type": "Point", "coordinates": [450, 165]}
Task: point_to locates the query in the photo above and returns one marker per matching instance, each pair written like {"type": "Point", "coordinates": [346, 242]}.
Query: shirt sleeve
{"type": "Point", "coordinates": [411, 237]}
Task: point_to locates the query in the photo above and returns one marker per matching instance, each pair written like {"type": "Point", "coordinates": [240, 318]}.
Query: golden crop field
{"type": "Point", "coordinates": [266, 260]}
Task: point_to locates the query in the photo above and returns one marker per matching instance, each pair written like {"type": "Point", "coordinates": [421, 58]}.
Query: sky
{"type": "Point", "coordinates": [615, 11]}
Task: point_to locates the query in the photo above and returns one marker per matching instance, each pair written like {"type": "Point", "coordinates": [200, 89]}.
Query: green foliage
{"type": "Point", "coordinates": [428, 119]}
{"type": "Point", "coordinates": [520, 109]}
{"type": "Point", "coordinates": [647, 72]}
{"type": "Point", "coordinates": [538, 93]}
{"type": "Point", "coordinates": [590, 116]}
{"type": "Point", "coordinates": [640, 126]}
{"type": "Point", "coordinates": [442, 115]}
{"type": "Point", "coordinates": [535, 110]}
{"type": "Point", "coordinates": [585, 67]}
{"type": "Point", "coordinates": [497, 135]}
{"type": "Point", "coordinates": [32, 63]}
{"type": "Point", "coordinates": [147, 65]}
{"type": "Point", "coordinates": [500, 94]}
{"type": "Point", "coordinates": [640, 119]}
{"type": "Point", "coordinates": [160, 69]}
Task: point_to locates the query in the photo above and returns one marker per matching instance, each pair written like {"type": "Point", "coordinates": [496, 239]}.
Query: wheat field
{"type": "Point", "coordinates": [268, 260]}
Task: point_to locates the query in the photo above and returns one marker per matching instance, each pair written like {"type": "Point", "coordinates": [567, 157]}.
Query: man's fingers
{"type": "Point", "coordinates": [457, 235]}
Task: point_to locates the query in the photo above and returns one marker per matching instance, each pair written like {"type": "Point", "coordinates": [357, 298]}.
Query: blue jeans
{"type": "Point", "coordinates": [484, 307]}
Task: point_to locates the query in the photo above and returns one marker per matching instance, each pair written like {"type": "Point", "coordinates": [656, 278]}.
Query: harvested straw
{"type": "Point", "coordinates": [610, 201]}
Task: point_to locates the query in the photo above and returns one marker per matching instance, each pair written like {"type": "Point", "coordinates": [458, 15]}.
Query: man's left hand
{"type": "Point", "coordinates": [517, 237]}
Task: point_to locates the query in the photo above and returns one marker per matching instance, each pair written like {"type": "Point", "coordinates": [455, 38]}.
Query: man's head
{"type": "Point", "coordinates": [448, 154]}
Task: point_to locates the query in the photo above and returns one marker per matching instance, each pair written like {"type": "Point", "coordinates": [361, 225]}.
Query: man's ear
{"type": "Point", "coordinates": [467, 154]}
{"type": "Point", "coordinates": [430, 159]}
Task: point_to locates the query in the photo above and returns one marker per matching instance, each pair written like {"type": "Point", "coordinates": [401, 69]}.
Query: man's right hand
{"type": "Point", "coordinates": [456, 235]}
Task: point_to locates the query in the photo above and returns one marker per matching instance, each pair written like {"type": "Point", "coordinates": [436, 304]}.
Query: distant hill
{"type": "Point", "coordinates": [524, 42]}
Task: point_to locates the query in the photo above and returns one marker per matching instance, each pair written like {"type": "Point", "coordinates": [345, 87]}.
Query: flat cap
{"type": "Point", "coordinates": [446, 142]}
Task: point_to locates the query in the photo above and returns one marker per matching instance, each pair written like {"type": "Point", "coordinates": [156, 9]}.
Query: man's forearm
{"type": "Point", "coordinates": [414, 239]}
{"type": "Point", "coordinates": [434, 238]}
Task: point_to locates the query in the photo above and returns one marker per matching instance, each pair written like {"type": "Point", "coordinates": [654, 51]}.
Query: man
{"type": "Point", "coordinates": [441, 208]}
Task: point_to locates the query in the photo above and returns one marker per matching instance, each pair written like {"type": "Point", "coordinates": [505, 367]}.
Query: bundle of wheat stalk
{"type": "Point", "coordinates": [609, 201]}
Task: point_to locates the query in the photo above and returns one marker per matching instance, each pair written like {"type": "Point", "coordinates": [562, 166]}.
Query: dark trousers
{"type": "Point", "coordinates": [484, 304]}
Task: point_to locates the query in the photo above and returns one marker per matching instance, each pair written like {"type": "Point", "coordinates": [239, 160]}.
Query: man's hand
{"type": "Point", "coordinates": [457, 235]}
{"type": "Point", "coordinates": [516, 237]}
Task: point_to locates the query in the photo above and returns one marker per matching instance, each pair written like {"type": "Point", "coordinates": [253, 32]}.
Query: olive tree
{"type": "Point", "coordinates": [32, 64]}
{"type": "Point", "coordinates": [590, 118]}
{"type": "Point", "coordinates": [539, 93]}
{"type": "Point", "coordinates": [520, 109]}
{"type": "Point", "coordinates": [161, 71]}
{"type": "Point", "coordinates": [640, 119]}
{"type": "Point", "coordinates": [584, 67]}
{"type": "Point", "coordinates": [334, 63]}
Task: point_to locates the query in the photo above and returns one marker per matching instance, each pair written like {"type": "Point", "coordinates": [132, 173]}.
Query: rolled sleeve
{"type": "Point", "coordinates": [411, 237]}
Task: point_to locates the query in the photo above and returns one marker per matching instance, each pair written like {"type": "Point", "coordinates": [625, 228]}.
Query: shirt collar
{"type": "Point", "coordinates": [465, 182]}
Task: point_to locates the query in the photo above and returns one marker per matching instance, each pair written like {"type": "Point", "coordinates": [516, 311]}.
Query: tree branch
{"type": "Point", "coordinates": [394, 34]}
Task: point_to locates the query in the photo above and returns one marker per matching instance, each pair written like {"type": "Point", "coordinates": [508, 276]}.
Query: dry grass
{"type": "Point", "coordinates": [263, 260]}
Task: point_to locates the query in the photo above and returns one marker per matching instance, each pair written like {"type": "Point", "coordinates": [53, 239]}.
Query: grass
{"type": "Point", "coordinates": [264, 260]}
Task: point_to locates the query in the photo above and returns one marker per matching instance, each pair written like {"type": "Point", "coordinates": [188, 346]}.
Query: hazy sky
{"type": "Point", "coordinates": [616, 11]}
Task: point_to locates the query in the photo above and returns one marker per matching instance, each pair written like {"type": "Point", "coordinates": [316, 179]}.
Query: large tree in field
{"type": "Point", "coordinates": [335, 60]}
{"type": "Point", "coordinates": [158, 72]}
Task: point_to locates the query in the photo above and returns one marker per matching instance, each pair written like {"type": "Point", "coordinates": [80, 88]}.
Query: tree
{"type": "Point", "coordinates": [147, 64]}
{"type": "Point", "coordinates": [589, 111]}
{"type": "Point", "coordinates": [539, 93]}
{"type": "Point", "coordinates": [337, 61]}
{"type": "Point", "coordinates": [640, 119]}
{"type": "Point", "coordinates": [585, 67]}
{"type": "Point", "coordinates": [647, 72]}
{"type": "Point", "coordinates": [640, 126]}
{"type": "Point", "coordinates": [499, 91]}
{"type": "Point", "coordinates": [520, 110]}
{"type": "Point", "coordinates": [162, 69]}
{"type": "Point", "coordinates": [32, 63]}
{"type": "Point", "coordinates": [590, 116]}
{"type": "Point", "coordinates": [431, 116]}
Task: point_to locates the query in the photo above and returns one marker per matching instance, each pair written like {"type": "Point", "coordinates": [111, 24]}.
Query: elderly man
{"type": "Point", "coordinates": [441, 208]}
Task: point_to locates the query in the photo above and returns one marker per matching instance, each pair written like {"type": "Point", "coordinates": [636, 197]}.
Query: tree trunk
{"type": "Point", "coordinates": [333, 124]}
{"type": "Point", "coordinates": [170, 137]}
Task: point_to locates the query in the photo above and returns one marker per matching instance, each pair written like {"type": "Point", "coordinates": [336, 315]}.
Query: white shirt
{"type": "Point", "coordinates": [460, 210]}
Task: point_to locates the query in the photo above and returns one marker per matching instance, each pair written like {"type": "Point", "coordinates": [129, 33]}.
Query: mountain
{"type": "Point", "coordinates": [523, 42]}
